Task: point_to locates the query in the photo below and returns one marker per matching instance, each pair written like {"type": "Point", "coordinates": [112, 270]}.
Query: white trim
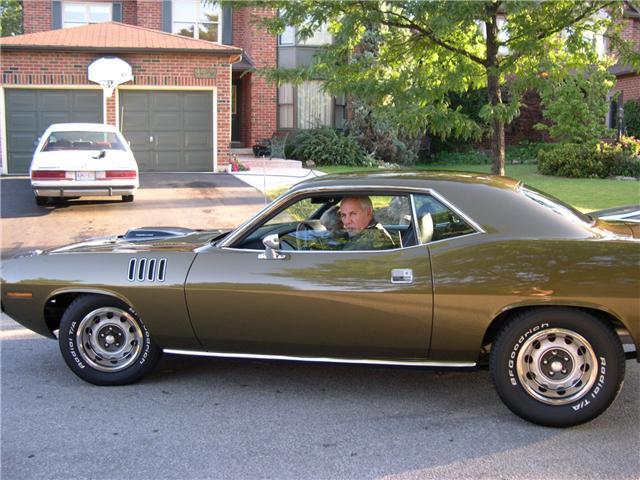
{"type": "Point", "coordinates": [53, 87]}
{"type": "Point", "coordinates": [359, 361]}
{"type": "Point", "coordinates": [214, 110]}
{"type": "Point", "coordinates": [3, 133]}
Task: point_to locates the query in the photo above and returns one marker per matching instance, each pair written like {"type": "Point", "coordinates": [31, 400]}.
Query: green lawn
{"type": "Point", "coordinates": [586, 194]}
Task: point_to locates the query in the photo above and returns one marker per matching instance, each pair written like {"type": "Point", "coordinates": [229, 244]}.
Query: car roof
{"type": "Point", "coordinates": [86, 127]}
{"type": "Point", "coordinates": [498, 204]}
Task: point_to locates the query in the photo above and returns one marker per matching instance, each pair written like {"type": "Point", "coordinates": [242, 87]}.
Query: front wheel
{"type": "Point", "coordinates": [104, 342]}
{"type": "Point", "coordinates": [127, 198]}
{"type": "Point", "coordinates": [557, 367]}
{"type": "Point", "coordinates": [42, 201]}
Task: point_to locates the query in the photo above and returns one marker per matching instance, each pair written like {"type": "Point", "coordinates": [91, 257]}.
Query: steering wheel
{"type": "Point", "coordinates": [305, 226]}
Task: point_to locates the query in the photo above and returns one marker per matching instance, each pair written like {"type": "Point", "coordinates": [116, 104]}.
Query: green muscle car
{"type": "Point", "coordinates": [449, 270]}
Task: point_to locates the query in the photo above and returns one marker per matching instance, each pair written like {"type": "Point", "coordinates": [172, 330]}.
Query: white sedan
{"type": "Point", "coordinates": [83, 159]}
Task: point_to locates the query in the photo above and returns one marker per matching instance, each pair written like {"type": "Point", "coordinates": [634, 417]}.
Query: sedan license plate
{"type": "Point", "coordinates": [85, 176]}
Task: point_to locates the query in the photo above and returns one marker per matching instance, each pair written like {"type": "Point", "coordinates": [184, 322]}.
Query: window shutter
{"type": "Point", "coordinates": [227, 18]}
{"type": "Point", "coordinates": [166, 16]}
{"type": "Point", "coordinates": [56, 14]}
{"type": "Point", "coordinates": [117, 12]}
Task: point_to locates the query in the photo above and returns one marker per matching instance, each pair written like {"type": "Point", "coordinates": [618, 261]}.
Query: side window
{"type": "Point", "coordinates": [340, 222]}
{"type": "Point", "coordinates": [436, 221]}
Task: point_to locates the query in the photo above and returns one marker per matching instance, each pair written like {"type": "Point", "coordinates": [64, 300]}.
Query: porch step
{"type": "Point", "coordinates": [241, 151]}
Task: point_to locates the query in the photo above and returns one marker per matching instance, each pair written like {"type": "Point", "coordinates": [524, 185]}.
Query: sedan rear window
{"type": "Point", "coordinates": [82, 141]}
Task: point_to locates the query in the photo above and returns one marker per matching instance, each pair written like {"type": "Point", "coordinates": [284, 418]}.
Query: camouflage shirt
{"type": "Point", "coordinates": [374, 237]}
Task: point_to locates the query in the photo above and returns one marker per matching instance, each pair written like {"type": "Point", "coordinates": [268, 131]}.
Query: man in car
{"type": "Point", "coordinates": [363, 231]}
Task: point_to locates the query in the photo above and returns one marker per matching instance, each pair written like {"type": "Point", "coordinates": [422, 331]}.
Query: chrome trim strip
{"type": "Point", "coordinates": [360, 361]}
{"type": "Point", "coordinates": [162, 269]}
{"type": "Point", "coordinates": [131, 274]}
{"type": "Point", "coordinates": [142, 269]}
{"type": "Point", "coordinates": [151, 273]}
{"type": "Point", "coordinates": [286, 197]}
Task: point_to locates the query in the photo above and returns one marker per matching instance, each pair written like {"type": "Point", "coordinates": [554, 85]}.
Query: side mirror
{"type": "Point", "coordinates": [271, 246]}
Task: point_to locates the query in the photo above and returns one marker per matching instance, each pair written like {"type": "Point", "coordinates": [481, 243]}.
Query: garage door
{"type": "Point", "coordinates": [169, 131]}
{"type": "Point", "coordinates": [30, 112]}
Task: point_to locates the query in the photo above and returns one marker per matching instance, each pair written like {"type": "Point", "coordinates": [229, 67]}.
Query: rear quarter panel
{"type": "Point", "coordinates": [478, 277]}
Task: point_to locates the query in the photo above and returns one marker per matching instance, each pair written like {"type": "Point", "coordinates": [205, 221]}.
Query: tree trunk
{"type": "Point", "coordinates": [497, 128]}
{"type": "Point", "coordinates": [495, 96]}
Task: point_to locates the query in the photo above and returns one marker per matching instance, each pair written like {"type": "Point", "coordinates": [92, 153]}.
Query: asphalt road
{"type": "Point", "coordinates": [206, 418]}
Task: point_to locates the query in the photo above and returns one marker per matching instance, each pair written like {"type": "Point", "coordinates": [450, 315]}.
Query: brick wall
{"type": "Point", "coordinates": [43, 68]}
{"type": "Point", "coordinates": [629, 85]}
{"type": "Point", "coordinates": [260, 97]}
{"type": "Point", "coordinates": [36, 15]}
{"type": "Point", "coordinates": [149, 13]}
{"type": "Point", "coordinates": [130, 12]}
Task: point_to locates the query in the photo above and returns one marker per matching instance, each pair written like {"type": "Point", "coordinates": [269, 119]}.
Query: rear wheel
{"type": "Point", "coordinates": [104, 342]}
{"type": "Point", "coordinates": [42, 201]}
{"type": "Point", "coordinates": [557, 367]}
{"type": "Point", "coordinates": [127, 198]}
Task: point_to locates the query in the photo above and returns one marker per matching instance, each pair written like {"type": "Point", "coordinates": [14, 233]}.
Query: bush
{"type": "Point", "coordinates": [326, 146]}
{"type": "Point", "coordinates": [471, 157]}
{"type": "Point", "coordinates": [524, 152]}
{"type": "Point", "coordinates": [632, 117]}
{"type": "Point", "coordinates": [591, 160]}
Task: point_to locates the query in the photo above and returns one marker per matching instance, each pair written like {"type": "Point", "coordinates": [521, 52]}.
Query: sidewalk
{"type": "Point", "coordinates": [269, 178]}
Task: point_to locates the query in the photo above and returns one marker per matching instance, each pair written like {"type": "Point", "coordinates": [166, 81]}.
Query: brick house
{"type": "Point", "coordinates": [188, 100]}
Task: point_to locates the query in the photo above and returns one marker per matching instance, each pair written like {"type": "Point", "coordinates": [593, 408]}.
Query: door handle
{"type": "Point", "coordinates": [401, 275]}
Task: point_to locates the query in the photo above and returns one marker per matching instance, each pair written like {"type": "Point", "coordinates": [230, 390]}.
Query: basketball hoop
{"type": "Point", "coordinates": [109, 72]}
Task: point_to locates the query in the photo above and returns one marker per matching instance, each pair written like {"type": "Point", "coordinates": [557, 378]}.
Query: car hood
{"type": "Point", "coordinates": [139, 240]}
{"type": "Point", "coordinates": [83, 160]}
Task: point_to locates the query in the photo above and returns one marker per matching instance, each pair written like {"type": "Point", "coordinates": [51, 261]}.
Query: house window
{"type": "Point", "coordinates": [340, 112]}
{"type": "Point", "coordinates": [285, 106]}
{"type": "Point", "coordinates": [288, 37]}
{"type": "Point", "coordinates": [319, 37]}
{"type": "Point", "coordinates": [78, 14]}
{"type": "Point", "coordinates": [197, 19]}
{"type": "Point", "coordinates": [314, 106]}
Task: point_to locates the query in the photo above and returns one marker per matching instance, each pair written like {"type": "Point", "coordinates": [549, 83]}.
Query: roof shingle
{"type": "Point", "coordinates": [113, 36]}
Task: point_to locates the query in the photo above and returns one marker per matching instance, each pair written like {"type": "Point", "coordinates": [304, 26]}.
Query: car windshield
{"type": "Point", "coordinates": [555, 205]}
{"type": "Point", "coordinates": [82, 140]}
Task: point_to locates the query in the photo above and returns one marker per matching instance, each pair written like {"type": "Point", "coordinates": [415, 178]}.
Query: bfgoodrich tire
{"type": "Point", "coordinates": [104, 342]}
{"type": "Point", "coordinates": [557, 367]}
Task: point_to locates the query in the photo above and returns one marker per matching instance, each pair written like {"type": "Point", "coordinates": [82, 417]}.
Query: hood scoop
{"type": "Point", "coordinates": [148, 233]}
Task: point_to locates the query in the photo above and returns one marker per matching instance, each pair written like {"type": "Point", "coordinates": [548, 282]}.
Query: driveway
{"type": "Point", "coordinates": [198, 200]}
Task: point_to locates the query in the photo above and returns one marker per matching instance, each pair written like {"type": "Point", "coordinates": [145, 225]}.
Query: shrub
{"type": "Point", "coordinates": [471, 157]}
{"type": "Point", "coordinates": [590, 160]}
{"type": "Point", "coordinates": [632, 117]}
{"type": "Point", "coordinates": [524, 152]}
{"type": "Point", "coordinates": [326, 146]}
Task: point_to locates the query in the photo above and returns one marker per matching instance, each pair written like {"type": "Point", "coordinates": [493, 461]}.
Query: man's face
{"type": "Point", "coordinates": [354, 217]}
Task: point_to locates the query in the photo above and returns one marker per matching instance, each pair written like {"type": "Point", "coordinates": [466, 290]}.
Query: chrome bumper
{"type": "Point", "coordinates": [84, 191]}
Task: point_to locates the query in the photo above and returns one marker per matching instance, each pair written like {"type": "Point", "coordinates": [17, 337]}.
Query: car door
{"type": "Point", "coordinates": [341, 304]}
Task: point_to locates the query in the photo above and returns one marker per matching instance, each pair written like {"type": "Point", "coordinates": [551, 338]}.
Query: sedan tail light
{"type": "Point", "coordinates": [117, 174]}
{"type": "Point", "coordinates": [51, 175]}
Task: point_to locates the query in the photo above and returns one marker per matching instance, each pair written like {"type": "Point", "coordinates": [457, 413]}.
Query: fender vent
{"type": "Point", "coordinates": [147, 269]}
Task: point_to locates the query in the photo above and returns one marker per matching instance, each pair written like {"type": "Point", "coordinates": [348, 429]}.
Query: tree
{"type": "Point", "coordinates": [10, 17]}
{"type": "Point", "coordinates": [431, 49]}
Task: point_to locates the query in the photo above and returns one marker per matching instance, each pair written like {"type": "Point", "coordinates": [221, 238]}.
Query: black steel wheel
{"type": "Point", "coordinates": [104, 342]}
{"type": "Point", "coordinates": [557, 367]}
